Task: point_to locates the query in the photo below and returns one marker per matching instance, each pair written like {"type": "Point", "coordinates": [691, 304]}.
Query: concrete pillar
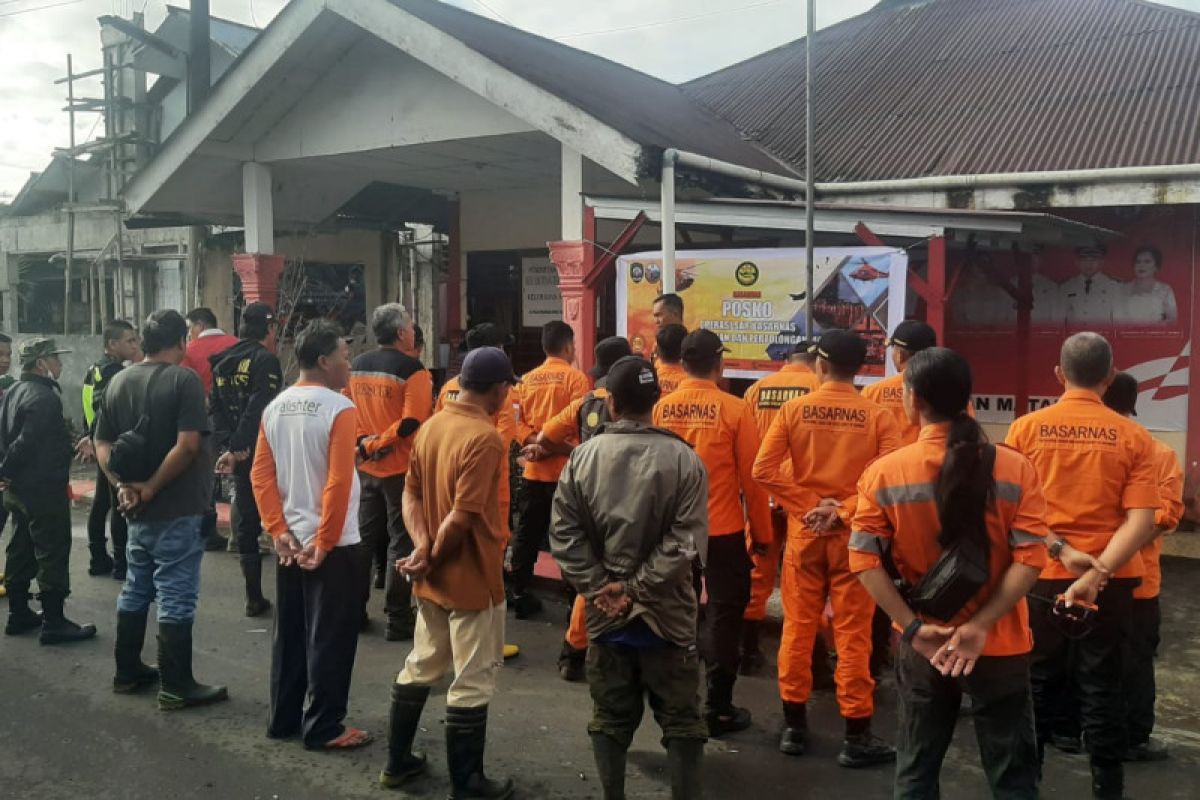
{"type": "Point", "coordinates": [258, 212]}
{"type": "Point", "coordinates": [260, 277]}
{"type": "Point", "coordinates": [579, 302]}
{"type": "Point", "coordinates": [9, 283]}
{"type": "Point", "coordinates": [572, 194]}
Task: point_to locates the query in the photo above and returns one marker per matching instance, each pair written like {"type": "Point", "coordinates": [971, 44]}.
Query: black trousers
{"type": "Point", "coordinates": [1002, 710]}
{"type": "Point", "coordinates": [249, 523]}
{"type": "Point", "coordinates": [40, 546]}
{"type": "Point", "coordinates": [1094, 664]}
{"type": "Point", "coordinates": [381, 522]}
{"type": "Point", "coordinates": [313, 646]}
{"type": "Point", "coordinates": [1140, 690]}
{"type": "Point", "coordinates": [535, 499]}
{"type": "Point", "coordinates": [727, 579]}
{"type": "Point", "coordinates": [104, 507]}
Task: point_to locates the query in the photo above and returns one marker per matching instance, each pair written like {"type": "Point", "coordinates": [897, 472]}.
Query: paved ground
{"type": "Point", "coordinates": [63, 734]}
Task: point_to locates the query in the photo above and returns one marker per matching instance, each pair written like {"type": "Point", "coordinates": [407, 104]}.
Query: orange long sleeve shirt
{"type": "Point", "coordinates": [767, 396]}
{"type": "Point", "coordinates": [543, 392]}
{"type": "Point", "coordinates": [829, 436]}
{"type": "Point", "coordinates": [1170, 490]}
{"type": "Point", "coordinates": [1095, 465]}
{"type": "Point", "coordinates": [721, 429]}
{"type": "Point", "coordinates": [388, 387]}
{"type": "Point", "coordinates": [669, 377]}
{"type": "Point", "coordinates": [896, 511]}
{"type": "Point", "coordinates": [889, 393]}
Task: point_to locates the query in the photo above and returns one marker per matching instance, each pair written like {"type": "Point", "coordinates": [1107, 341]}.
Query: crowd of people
{"type": "Point", "coordinates": [1023, 575]}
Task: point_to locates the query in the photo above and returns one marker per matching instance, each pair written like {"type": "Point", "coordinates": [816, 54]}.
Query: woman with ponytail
{"type": "Point", "coordinates": [949, 537]}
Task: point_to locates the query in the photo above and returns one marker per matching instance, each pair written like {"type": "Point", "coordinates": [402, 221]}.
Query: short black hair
{"type": "Point", "coordinates": [114, 330]}
{"type": "Point", "coordinates": [203, 316]}
{"type": "Point", "coordinates": [255, 328]}
{"type": "Point", "coordinates": [319, 338]}
{"type": "Point", "coordinates": [1153, 252]}
{"type": "Point", "coordinates": [670, 342]}
{"type": "Point", "coordinates": [1086, 359]}
{"type": "Point", "coordinates": [163, 330]}
{"type": "Point", "coordinates": [556, 335]}
{"type": "Point", "coordinates": [671, 301]}
{"type": "Point", "coordinates": [5, 338]}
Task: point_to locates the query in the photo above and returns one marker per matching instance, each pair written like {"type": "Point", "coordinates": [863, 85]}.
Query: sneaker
{"type": "Point", "coordinates": [1150, 750]}
{"type": "Point", "coordinates": [730, 720]}
{"type": "Point", "coordinates": [511, 651]}
{"type": "Point", "coordinates": [256, 608]}
{"type": "Point", "coordinates": [865, 750]}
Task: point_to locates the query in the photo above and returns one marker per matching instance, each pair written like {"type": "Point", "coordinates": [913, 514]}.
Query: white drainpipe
{"type": "Point", "coordinates": [936, 183]}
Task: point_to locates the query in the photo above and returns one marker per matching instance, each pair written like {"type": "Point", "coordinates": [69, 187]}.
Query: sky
{"type": "Point", "coordinates": [672, 39]}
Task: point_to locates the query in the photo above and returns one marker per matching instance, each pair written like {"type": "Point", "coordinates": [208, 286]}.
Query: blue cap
{"type": "Point", "coordinates": [487, 365]}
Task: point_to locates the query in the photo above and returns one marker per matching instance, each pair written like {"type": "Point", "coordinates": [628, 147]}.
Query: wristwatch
{"type": "Point", "coordinates": [1056, 548]}
{"type": "Point", "coordinates": [911, 631]}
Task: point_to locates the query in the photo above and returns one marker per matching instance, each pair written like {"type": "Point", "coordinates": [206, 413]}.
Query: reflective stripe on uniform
{"type": "Point", "coordinates": [1008, 491]}
{"type": "Point", "coordinates": [869, 543]}
{"type": "Point", "coordinates": [888, 496]}
{"type": "Point", "coordinates": [1017, 538]}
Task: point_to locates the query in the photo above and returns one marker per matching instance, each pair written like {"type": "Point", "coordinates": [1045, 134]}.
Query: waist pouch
{"type": "Point", "coordinates": [957, 576]}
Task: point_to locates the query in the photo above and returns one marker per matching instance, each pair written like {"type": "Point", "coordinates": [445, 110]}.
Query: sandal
{"type": "Point", "coordinates": [351, 739]}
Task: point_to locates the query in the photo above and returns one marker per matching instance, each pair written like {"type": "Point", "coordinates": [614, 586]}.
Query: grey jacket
{"type": "Point", "coordinates": [641, 494]}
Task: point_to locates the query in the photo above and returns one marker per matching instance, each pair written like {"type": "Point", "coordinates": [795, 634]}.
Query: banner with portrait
{"type": "Point", "coordinates": [754, 299]}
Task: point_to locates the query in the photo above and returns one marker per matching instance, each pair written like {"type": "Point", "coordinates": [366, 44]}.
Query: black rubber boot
{"type": "Point", "coordinates": [610, 764]}
{"type": "Point", "coordinates": [1108, 781]}
{"type": "Point", "coordinates": [408, 701]}
{"type": "Point", "coordinates": [132, 674]}
{"type": "Point", "coordinates": [863, 748]}
{"type": "Point", "coordinates": [178, 688]}
{"type": "Point", "coordinates": [722, 716]}
{"type": "Point", "coordinates": [684, 757]}
{"type": "Point", "coordinates": [753, 660]}
{"type": "Point", "coordinates": [21, 618]}
{"type": "Point", "coordinates": [101, 562]}
{"type": "Point", "coordinates": [794, 739]}
{"type": "Point", "coordinates": [256, 604]}
{"type": "Point", "coordinates": [572, 663]}
{"type": "Point", "coordinates": [466, 737]}
{"type": "Point", "coordinates": [56, 628]}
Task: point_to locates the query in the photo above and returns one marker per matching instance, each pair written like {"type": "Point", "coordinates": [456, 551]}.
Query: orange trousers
{"type": "Point", "coordinates": [577, 631]}
{"type": "Point", "coordinates": [766, 569]}
{"type": "Point", "coordinates": [813, 569]}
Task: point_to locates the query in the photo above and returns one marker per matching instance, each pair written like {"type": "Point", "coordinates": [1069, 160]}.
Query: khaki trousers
{"type": "Point", "coordinates": [471, 643]}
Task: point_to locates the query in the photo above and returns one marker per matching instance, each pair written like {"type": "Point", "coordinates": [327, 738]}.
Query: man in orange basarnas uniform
{"type": "Point", "coordinates": [1101, 487]}
{"type": "Point", "coordinates": [721, 429]}
{"type": "Point", "coordinates": [910, 337]}
{"type": "Point", "coordinates": [1140, 687]}
{"type": "Point", "coordinates": [668, 358]}
{"type": "Point", "coordinates": [764, 398]}
{"type": "Point", "coordinates": [543, 393]}
{"type": "Point", "coordinates": [828, 438]}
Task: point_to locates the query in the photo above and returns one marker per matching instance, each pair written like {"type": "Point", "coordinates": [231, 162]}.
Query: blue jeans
{"type": "Point", "coordinates": [164, 565]}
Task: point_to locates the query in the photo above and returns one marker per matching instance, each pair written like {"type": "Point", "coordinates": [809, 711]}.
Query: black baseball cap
{"type": "Point", "coordinates": [608, 352]}
{"type": "Point", "coordinates": [260, 311]}
{"type": "Point", "coordinates": [487, 334]}
{"type": "Point", "coordinates": [487, 365]}
{"type": "Point", "coordinates": [842, 348]}
{"type": "Point", "coordinates": [913, 335]}
{"type": "Point", "coordinates": [802, 347]}
{"type": "Point", "coordinates": [701, 344]}
{"type": "Point", "coordinates": [633, 382]}
{"type": "Point", "coordinates": [1121, 395]}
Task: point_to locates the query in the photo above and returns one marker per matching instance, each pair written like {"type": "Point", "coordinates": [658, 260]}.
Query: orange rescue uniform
{"type": "Point", "coordinates": [1166, 519]}
{"type": "Point", "coordinates": [829, 437]}
{"type": "Point", "coordinates": [1095, 465]}
{"type": "Point", "coordinates": [383, 401]}
{"type": "Point", "coordinates": [897, 511]}
{"type": "Point", "coordinates": [543, 392]}
{"type": "Point", "coordinates": [889, 393]}
{"type": "Point", "coordinates": [669, 376]}
{"type": "Point", "coordinates": [721, 429]}
{"type": "Point", "coordinates": [764, 398]}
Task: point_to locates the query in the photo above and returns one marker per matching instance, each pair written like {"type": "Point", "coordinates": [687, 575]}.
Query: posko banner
{"type": "Point", "coordinates": [755, 299]}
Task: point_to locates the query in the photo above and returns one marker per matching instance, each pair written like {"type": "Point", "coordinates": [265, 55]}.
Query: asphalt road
{"type": "Point", "coordinates": [63, 734]}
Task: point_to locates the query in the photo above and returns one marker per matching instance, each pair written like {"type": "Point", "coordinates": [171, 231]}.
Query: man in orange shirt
{"type": "Point", "coordinates": [1147, 616]}
{"type": "Point", "coordinates": [721, 429]}
{"type": "Point", "coordinates": [827, 438]}
{"type": "Point", "coordinates": [668, 357]}
{"type": "Point", "coordinates": [1101, 486]}
{"type": "Point", "coordinates": [452, 510]}
{"type": "Point", "coordinates": [764, 398]}
{"type": "Point", "coordinates": [544, 391]}
{"type": "Point", "coordinates": [910, 337]}
{"type": "Point", "coordinates": [393, 393]}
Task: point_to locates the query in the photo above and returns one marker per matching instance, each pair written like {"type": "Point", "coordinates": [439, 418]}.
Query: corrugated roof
{"type": "Point", "coordinates": [649, 111]}
{"type": "Point", "coordinates": [951, 87]}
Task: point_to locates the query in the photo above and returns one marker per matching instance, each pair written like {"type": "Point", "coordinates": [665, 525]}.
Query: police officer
{"type": "Point", "coordinates": [246, 377]}
{"type": "Point", "coordinates": [35, 472]}
{"type": "Point", "coordinates": [121, 344]}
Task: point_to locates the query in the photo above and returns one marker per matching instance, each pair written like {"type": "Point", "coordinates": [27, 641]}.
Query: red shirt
{"type": "Point", "coordinates": [200, 349]}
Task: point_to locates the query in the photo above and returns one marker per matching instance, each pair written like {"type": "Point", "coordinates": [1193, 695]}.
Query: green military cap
{"type": "Point", "coordinates": [33, 349]}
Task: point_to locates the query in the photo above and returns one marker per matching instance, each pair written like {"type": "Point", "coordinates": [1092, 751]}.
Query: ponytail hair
{"type": "Point", "coordinates": [941, 380]}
